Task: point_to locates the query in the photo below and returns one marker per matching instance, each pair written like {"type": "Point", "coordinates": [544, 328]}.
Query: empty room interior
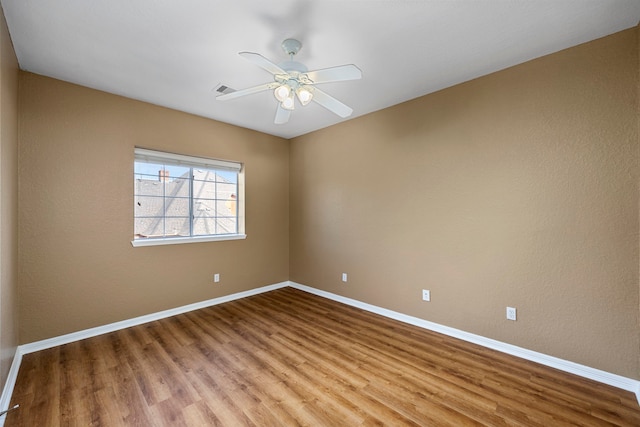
{"type": "Point", "coordinates": [440, 228]}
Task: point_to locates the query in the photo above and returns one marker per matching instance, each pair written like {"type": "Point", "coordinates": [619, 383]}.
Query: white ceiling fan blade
{"type": "Point", "coordinates": [335, 74]}
{"type": "Point", "coordinates": [331, 104]}
{"type": "Point", "coordinates": [282, 115]}
{"type": "Point", "coordinates": [248, 91]}
{"type": "Point", "coordinates": [262, 62]}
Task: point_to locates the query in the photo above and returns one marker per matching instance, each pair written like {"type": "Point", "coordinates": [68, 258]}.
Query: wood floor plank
{"type": "Point", "coordinates": [289, 358]}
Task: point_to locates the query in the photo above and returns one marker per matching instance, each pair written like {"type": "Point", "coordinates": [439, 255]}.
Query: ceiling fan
{"type": "Point", "coordinates": [292, 79]}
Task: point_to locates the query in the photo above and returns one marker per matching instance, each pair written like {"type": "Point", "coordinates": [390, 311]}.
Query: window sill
{"type": "Point", "coordinates": [179, 240]}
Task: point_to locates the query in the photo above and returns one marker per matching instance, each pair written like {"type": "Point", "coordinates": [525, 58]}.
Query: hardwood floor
{"type": "Point", "coordinates": [287, 358]}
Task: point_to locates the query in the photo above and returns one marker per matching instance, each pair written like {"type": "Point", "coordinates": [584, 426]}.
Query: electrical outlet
{"type": "Point", "coordinates": [511, 313]}
{"type": "Point", "coordinates": [344, 277]}
{"type": "Point", "coordinates": [426, 295]}
{"type": "Point", "coordinates": [216, 278]}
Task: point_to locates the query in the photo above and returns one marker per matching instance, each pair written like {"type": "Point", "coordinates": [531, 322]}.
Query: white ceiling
{"type": "Point", "coordinates": [175, 53]}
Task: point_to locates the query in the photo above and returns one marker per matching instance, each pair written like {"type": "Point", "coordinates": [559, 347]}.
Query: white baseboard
{"type": "Point", "coordinates": [614, 380]}
{"type": "Point", "coordinates": [554, 362]}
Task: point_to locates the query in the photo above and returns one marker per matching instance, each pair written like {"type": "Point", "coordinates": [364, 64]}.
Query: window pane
{"type": "Point", "coordinates": [206, 223]}
{"type": "Point", "coordinates": [177, 206]}
{"type": "Point", "coordinates": [227, 225]}
{"type": "Point", "coordinates": [177, 187]}
{"type": "Point", "coordinates": [149, 227]}
{"type": "Point", "coordinates": [148, 206]}
{"type": "Point", "coordinates": [226, 208]}
{"type": "Point", "coordinates": [148, 187]}
{"type": "Point", "coordinates": [148, 170]}
{"type": "Point", "coordinates": [204, 175]}
{"type": "Point", "coordinates": [177, 227]}
{"type": "Point", "coordinates": [204, 207]}
{"type": "Point", "coordinates": [203, 226]}
{"type": "Point", "coordinates": [204, 189]}
{"type": "Point", "coordinates": [177, 172]}
{"type": "Point", "coordinates": [227, 176]}
{"type": "Point", "coordinates": [225, 190]}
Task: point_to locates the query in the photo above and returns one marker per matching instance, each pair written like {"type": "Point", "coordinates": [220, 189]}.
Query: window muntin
{"type": "Point", "coordinates": [181, 198]}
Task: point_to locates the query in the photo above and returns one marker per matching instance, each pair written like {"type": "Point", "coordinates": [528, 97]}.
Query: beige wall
{"type": "Point", "coordinates": [8, 201]}
{"type": "Point", "coordinates": [77, 267]}
{"type": "Point", "coordinates": [516, 189]}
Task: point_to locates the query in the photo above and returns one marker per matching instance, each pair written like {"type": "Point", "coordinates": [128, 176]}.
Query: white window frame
{"type": "Point", "coordinates": [166, 158]}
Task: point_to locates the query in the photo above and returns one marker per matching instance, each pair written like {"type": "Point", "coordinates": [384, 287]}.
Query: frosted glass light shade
{"type": "Point", "coordinates": [282, 92]}
{"type": "Point", "coordinates": [304, 95]}
{"type": "Point", "coordinates": [288, 103]}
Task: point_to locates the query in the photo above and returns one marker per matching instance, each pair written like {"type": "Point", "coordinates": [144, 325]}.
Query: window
{"type": "Point", "coordinates": [182, 199]}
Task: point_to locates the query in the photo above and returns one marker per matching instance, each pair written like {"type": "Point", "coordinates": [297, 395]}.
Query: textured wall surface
{"type": "Point", "coordinates": [516, 189]}
{"type": "Point", "coordinates": [8, 201]}
{"type": "Point", "coordinates": [77, 266]}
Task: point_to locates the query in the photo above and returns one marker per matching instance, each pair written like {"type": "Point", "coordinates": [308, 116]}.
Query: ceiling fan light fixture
{"type": "Point", "coordinates": [282, 92]}
{"type": "Point", "coordinates": [304, 95]}
{"type": "Point", "coordinates": [292, 80]}
{"type": "Point", "coordinates": [288, 103]}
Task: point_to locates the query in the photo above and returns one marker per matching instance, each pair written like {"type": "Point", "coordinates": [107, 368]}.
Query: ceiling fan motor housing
{"type": "Point", "coordinates": [291, 46]}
